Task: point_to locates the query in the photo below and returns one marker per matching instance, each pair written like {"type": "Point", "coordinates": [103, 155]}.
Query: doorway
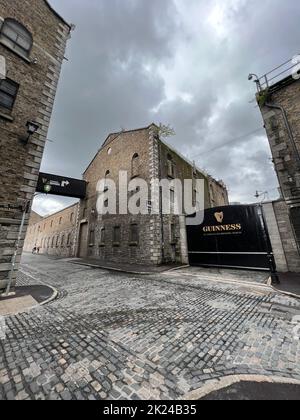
{"type": "Point", "coordinates": [83, 240]}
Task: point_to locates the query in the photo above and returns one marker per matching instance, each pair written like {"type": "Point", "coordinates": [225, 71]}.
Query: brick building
{"type": "Point", "coordinates": [144, 238]}
{"type": "Point", "coordinates": [53, 235]}
{"type": "Point", "coordinates": [279, 100]}
{"type": "Point", "coordinates": [32, 40]}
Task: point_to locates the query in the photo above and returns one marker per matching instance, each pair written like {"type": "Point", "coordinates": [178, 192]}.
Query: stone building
{"type": "Point", "coordinates": [143, 238]}
{"type": "Point", "coordinates": [280, 106]}
{"type": "Point", "coordinates": [32, 40]}
{"type": "Point", "coordinates": [54, 235]}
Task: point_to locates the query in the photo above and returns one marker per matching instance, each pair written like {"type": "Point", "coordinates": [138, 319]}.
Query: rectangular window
{"type": "Point", "coordinates": [117, 235]}
{"type": "Point", "coordinates": [173, 233]}
{"type": "Point", "coordinates": [102, 236]}
{"type": "Point", "coordinates": [134, 233]}
{"type": "Point", "coordinates": [8, 93]}
{"type": "Point", "coordinates": [172, 201]}
{"type": "Point", "coordinates": [92, 238]}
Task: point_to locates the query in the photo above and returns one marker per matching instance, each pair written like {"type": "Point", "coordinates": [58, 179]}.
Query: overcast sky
{"type": "Point", "coordinates": [179, 62]}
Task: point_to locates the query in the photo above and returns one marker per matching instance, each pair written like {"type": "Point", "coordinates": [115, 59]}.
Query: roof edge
{"type": "Point", "coordinates": [57, 14]}
{"type": "Point", "coordinates": [104, 144]}
{"type": "Point", "coordinates": [44, 218]}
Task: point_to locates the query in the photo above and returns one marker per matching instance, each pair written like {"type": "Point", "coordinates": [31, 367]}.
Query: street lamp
{"type": "Point", "coordinates": [256, 80]}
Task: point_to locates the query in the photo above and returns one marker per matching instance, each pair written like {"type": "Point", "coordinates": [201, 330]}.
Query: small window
{"type": "Point", "coordinates": [52, 242]}
{"type": "Point", "coordinates": [102, 236]}
{"type": "Point", "coordinates": [60, 220]}
{"type": "Point", "coordinates": [72, 217]}
{"type": "Point", "coordinates": [57, 241]}
{"type": "Point", "coordinates": [8, 93]}
{"type": "Point", "coordinates": [62, 242]}
{"type": "Point", "coordinates": [51, 223]}
{"type": "Point", "coordinates": [135, 165]}
{"type": "Point", "coordinates": [92, 238]}
{"type": "Point", "coordinates": [173, 233]}
{"type": "Point", "coordinates": [134, 233]}
{"type": "Point", "coordinates": [171, 166]}
{"type": "Point", "coordinates": [69, 239]}
{"type": "Point", "coordinates": [172, 200]}
{"type": "Point", "coordinates": [117, 235]}
{"type": "Point", "coordinates": [15, 36]}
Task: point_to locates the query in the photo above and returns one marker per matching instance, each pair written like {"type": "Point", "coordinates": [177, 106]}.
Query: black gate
{"type": "Point", "coordinates": [232, 236]}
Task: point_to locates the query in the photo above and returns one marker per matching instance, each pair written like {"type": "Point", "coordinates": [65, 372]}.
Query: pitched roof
{"type": "Point", "coordinates": [113, 136]}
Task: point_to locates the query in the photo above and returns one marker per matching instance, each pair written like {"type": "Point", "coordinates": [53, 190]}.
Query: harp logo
{"type": "Point", "coordinates": [219, 217]}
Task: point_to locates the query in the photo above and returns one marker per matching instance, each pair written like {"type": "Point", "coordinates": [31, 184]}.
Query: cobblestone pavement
{"type": "Point", "coordinates": [115, 336]}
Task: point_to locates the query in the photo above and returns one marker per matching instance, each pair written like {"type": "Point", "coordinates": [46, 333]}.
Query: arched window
{"type": "Point", "coordinates": [15, 36]}
{"type": "Point", "coordinates": [171, 166]}
{"type": "Point", "coordinates": [107, 174]}
{"type": "Point", "coordinates": [135, 165]}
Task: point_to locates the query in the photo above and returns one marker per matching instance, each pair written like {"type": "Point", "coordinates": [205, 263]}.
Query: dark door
{"type": "Point", "coordinates": [83, 240]}
{"type": "Point", "coordinates": [232, 236]}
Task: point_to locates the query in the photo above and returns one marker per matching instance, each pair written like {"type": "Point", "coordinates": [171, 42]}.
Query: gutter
{"type": "Point", "coordinates": [288, 127]}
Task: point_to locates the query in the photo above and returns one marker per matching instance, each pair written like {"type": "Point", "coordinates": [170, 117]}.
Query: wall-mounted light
{"type": "Point", "coordinates": [32, 128]}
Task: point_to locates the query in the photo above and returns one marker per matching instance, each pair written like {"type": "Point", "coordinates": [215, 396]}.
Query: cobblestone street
{"type": "Point", "coordinates": [116, 336]}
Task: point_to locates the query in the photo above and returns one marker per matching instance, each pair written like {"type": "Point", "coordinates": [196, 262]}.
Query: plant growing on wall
{"type": "Point", "coordinates": [165, 131]}
{"type": "Point", "coordinates": [263, 97]}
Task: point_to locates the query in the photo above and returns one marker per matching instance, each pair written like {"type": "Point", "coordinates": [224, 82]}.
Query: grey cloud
{"type": "Point", "coordinates": [114, 80]}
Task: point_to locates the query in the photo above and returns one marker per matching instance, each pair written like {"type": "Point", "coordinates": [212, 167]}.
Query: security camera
{"type": "Point", "coordinates": [250, 77]}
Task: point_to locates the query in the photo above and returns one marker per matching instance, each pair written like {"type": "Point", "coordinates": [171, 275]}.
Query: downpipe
{"type": "Point", "coordinates": [288, 127]}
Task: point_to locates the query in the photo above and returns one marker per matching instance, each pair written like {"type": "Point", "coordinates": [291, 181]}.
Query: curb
{"type": "Point", "coordinates": [51, 299]}
{"type": "Point", "coordinates": [261, 286]}
{"type": "Point", "coordinates": [227, 381]}
{"type": "Point", "coordinates": [292, 295]}
{"type": "Point", "coordinates": [118, 270]}
{"type": "Point", "coordinates": [47, 301]}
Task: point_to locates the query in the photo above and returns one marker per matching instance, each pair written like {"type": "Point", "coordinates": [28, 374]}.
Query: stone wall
{"type": "Point", "coordinates": [281, 234]}
{"type": "Point", "coordinates": [37, 76]}
{"type": "Point", "coordinates": [283, 130]}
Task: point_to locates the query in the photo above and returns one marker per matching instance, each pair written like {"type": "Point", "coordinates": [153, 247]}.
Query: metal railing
{"type": "Point", "coordinates": [279, 73]}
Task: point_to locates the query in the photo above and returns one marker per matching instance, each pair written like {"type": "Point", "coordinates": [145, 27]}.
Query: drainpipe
{"type": "Point", "coordinates": [288, 127]}
{"type": "Point", "coordinates": [161, 202]}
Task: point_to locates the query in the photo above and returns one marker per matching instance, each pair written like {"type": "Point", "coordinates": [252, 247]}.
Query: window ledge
{"type": "Point", "coordinates": [101, 245]}
{"type": "Point", "coordinates": [116, 244]}
{"type": "Point", "coordinates": [6, 117]}
{"type": "Point", "coordinates": [28, 61]}
{"type": "Point", "coordinates": [133, 244]}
